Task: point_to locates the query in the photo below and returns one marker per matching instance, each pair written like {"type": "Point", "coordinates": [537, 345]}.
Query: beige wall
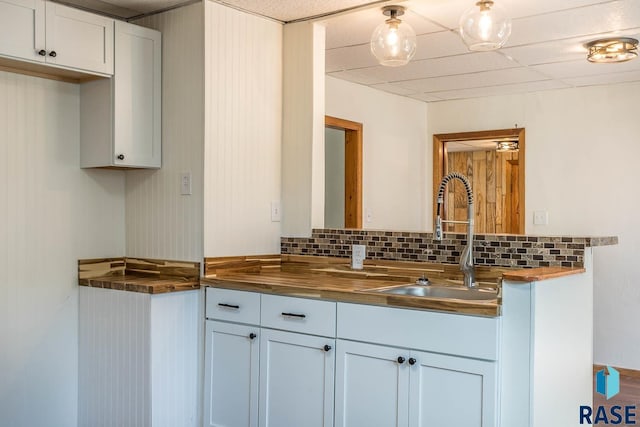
{"type": "Point", "coordinates": [582, 146]}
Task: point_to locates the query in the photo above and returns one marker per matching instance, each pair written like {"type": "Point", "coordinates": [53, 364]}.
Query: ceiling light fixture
{"type": "Point", "coordinates": [393, 42]}
{"type": "Point", "coordinates": [506, 146]}
{"type": "Point", "coordinates": [485, 26]}
{"type": "Point", "coordinates": [612, 50]}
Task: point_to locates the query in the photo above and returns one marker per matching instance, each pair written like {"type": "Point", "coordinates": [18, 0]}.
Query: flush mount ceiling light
{"type": "Point", "coordinates": [506, 146]}
{"type": "Point", "coordinates": [612, 50]}
{"type": "Point", "coordinates": [393, 42]}
{"type": "Point", "coordinates": [485, 26]}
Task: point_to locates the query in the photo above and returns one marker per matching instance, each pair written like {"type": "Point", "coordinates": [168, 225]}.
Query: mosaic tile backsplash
{"type": "Point", "coordinates": [489, 249]}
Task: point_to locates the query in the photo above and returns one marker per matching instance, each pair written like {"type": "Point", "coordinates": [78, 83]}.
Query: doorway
{"type": "Point", "coordinates": [343, 173]}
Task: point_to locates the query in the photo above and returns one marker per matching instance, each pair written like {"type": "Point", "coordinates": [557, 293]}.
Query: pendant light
{"type": "Point", "coordinates": [393, 42]}
{"type": "Point", "coordinates": [485, 26]}
{"type": "Point", "coordinates": [612, 50]}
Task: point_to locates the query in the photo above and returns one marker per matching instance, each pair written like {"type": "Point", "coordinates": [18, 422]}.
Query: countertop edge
{"type": "Point", "coordinates": [541, 273]}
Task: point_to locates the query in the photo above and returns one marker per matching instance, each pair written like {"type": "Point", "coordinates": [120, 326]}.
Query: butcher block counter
{"type": "Point", "coordinates": [332, 279]}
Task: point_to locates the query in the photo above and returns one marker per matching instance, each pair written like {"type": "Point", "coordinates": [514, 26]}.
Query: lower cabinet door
{"type": "Point", "coordinates": [372, 383]}
{"type": "Point", "coordinates": [451, 391]}
{"type": "Point", "coordinates": [296, 380]}
{"type": "Point", "coordinates": [231, 375]}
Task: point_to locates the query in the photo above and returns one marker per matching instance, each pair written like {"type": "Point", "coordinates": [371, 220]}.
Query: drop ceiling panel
{"type": "Point", "coordinates": [580, 68]}
{"type": "Point", "coordinates": [595, 19]}
{"type": "Point", "coordinates": [630, 76]}
{"type": "Point", "coordinates": [500, 90]}
{"type": "Point", "coordinates": [291, 10]}
{"type": "Point", "coordinates": [356, 77]}
{"type": "Point", "coordinates": [450, 65]}
{"type": "Point", "coordinates": [395, 89]}
{"type": "Point", "coordinates": [466, 81]}
{"type": "Point", "coordinates": [347, 58]}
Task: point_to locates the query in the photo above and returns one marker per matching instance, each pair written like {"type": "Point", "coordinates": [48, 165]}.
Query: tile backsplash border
{"type": "Point", "coordinates": [506, 250]}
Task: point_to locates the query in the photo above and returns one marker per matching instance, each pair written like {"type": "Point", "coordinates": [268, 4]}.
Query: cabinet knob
{"type": "Point", "coordinates": [42, 52]}
{"type": "Point", "coordinates": [327, 347]}
{"type": "Point", "coordinates": [53, 54]}
{"type": "Point", "coordinates": [412, 361]}
{"type": "Point", "coordinates": [252, 335]}
{"type": "Point", "coordinates": [401, 359]}
{"type": "Point", "coordinates": [120, 157]}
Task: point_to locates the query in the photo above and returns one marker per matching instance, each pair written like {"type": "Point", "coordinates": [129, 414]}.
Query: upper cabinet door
{"type": "Point", "coordinates": [137, 93]}
{"type": "Point", "coordinates": [22, 29]}
{"type": "Point", "coordinates": [79, 39]}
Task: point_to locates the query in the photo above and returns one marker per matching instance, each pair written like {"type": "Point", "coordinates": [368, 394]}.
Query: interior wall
{"type": "Point", "coordinates": [582, 146]}
{"type": "Point", "coordinates": [243, 132]}
{"type": "Point", "coordinates": [52, 213]}
{"type": "Point", "coordinates": [161, 222]}
{"type": "Point", "coordinates": [334, 145]}
{"type": "Point", "coordinates": [396, 155]}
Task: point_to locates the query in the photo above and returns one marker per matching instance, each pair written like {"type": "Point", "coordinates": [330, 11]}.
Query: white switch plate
{"type": "Point", "coordinates": [540, 218]}
{"type": "Point", "coordinates": [369, 215]}
{"type": "Point", "coordinates": [358, 254]}
{"type": "Point", "coordinates": [275, 212]}
{"type": "Point", "coordinates": [185, 183]}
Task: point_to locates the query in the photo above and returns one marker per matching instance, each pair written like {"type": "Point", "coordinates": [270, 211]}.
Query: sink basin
{"type": "Point", "coordinates": [439, 292]}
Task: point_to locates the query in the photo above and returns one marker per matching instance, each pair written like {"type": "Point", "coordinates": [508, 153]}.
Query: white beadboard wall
{"type": "Point", "coordinates": [303, 129]}
{"type": "Point", "coordinates": [162, 223]}
{"type": "Point", "coordinates": [138, 359]}
{"type": "Point", "coordinates": [51, 214]}
{"type": "Point", "coordinates": [243, 115]}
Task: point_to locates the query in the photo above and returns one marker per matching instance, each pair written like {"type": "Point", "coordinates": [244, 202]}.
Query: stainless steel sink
{"type": "Point", "coordinates": [439, 292]}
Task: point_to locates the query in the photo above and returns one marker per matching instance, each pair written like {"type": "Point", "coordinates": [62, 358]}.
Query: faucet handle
{"type": "Point", "coordinates": [437, 235]}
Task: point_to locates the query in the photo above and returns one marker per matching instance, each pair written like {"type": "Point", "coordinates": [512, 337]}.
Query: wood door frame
{"type": "Point", "coordinates": [440, 160]}
{"type": "Point", "coordinates": [352, 170]}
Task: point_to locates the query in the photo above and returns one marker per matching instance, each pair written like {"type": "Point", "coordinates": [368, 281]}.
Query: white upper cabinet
{"type": "Point", "coordinates": [78, 39]}
{"type": "Point", "coordinates": [120, 118]}
{"type": "Point", "coordinates": [22, 29]}
{"type": "Point", "coordinates": [46, 32]}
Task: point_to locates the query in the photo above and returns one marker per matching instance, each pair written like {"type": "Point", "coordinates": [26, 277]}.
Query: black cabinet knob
{"type": "Point", "coordinates": [42, 52]}
{"type": "Point", "coordinates": [252, 335]}
{"type": "Point", "coordinates": [327, 347]}
{"type": "Point", "coordinates": [412, 361]}
{"type": "Point", "coordinates": [120, 157]}
{"type": "Point", "coordinates": [53, 54]}
{"type": "Point", "coordinates": [401, 359]}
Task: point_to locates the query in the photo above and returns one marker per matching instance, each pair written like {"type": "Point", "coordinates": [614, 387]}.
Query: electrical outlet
{"type": "Point", "coordinates": [540, 218]}
{"type": "Point", "coordinates": [358, 254]}
{"type": "Point", "coordinates": [185, 183]}
{"type": "Point", "coordinates": [275, 212]}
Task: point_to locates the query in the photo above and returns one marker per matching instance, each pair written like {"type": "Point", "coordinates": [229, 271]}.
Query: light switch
{"type": "Point", "coordinates": [185, 183]}
{"type": "Point", "coordinates": [275, 211]}
{"type": "Point", "coordinates": [540, 218]}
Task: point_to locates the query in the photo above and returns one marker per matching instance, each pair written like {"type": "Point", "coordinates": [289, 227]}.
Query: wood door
{"type": "Point", "coordinates": [452, 391]}
{"type": "Point", "coordinates": [22, 29]}
{"type": "Point", "coordinates": [371, 386]}
{"type": "Point", "coordinates": [231, 375]}
{"type": "Point", "coordinates": [296, 379]}
{"type": "Point", "coordinates": [80, 40]}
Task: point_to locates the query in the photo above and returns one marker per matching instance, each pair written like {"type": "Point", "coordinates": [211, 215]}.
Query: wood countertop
{"type": "Point", "coordinates": [143, 284]}
{"type": "Point", "coordinates": [541, 273]}
{"type": "Point", "coordinates": [343, 289]}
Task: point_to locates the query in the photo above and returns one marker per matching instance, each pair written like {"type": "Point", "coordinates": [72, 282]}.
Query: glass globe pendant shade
{"type": "Point", "coordinates": [393, 42]}
{"type": "Point", "coordinates": [485, 26]}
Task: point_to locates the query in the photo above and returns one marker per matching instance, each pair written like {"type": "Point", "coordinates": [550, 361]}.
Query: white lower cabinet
{"type": "Point", "coordinates": [371, 385]}
{"type": "Point", "coordinates": [296, 379]}
{"type": "Point", "coordinates": [231, 375]}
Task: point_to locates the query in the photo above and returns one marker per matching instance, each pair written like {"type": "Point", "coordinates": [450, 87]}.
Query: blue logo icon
{"type": "Point", "coordinates": [608, 382]}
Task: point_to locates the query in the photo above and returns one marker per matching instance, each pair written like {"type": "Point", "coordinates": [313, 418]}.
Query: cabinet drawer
{"type": "Point", "coordinates": [299, 315]}
{"type": "Point", "coordinates": [233, 306]}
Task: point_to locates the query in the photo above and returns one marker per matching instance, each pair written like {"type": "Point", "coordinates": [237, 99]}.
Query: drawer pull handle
{"type": "Point", "coordinates": [252, 336]}
{"type": "Point", "coordinates": [300, 316]}
{"type": "Point", "coordinates": [235, 307]}
{"type": "Point", "coordinates": [412, 361]}
{"type": "Point", "coordinates": [326, 347]}
{"type": "Point", "coordinates": [401, 360]}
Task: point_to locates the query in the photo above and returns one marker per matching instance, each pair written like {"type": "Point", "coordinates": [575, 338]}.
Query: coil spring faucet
{"type": "Point", "coordinates": [466, 259]}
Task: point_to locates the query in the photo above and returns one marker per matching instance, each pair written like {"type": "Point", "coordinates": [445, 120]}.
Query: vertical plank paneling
{"type": "Point", "coordinates": [54, 212]}
{"type": "Point", "coordinates": [243, 104]}
{"type": "Point", "coordinates": [162, 223]}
